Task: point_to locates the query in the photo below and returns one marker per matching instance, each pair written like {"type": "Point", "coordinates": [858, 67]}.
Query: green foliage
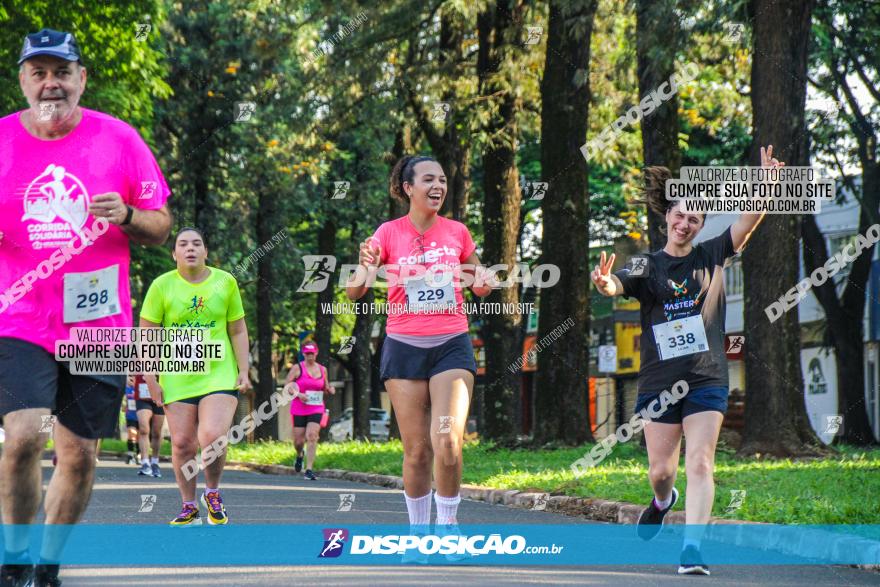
{"type": "Point", "coordinates": [124, 74]}
{"type": "Point", "coordinates": [845, 72]}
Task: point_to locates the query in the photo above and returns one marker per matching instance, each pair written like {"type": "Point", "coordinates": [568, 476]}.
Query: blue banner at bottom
{"type": "Point", "coordinates": [586, 544]}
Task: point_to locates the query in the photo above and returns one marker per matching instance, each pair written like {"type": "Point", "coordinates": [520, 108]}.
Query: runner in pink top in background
{"type": "Point", "coordinates": [76, 186]}
{"type": "Point", "coordinates": [307, 382]}
{"type": "Point", "coordinates": [427, 363]}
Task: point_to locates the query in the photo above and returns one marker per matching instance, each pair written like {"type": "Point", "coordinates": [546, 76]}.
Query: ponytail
{"type": "Point", "coordinates": [653, 192]}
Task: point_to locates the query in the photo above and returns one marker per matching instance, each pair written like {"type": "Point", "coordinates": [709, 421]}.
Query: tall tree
{"type": "Point", "coordinates": [561, 411]}
{"type": "Point", "coordinates": [500, 28]}
{"type": "Point", "coordinates": [657, 37]}
{"type": "Point", "coordinates": [323, 318]}
{"type": "Point", "coordinates": [265, 386]}
{"type": "Point", "coordinates": [848, 47]}
{"type": "Point", "coordinates": [451, 145]}
{"type": "Point", "coordinates": [396, 209]}
{"type": "Point", "coordinates": [361, 362]}
{"type": "Point", "coordinates": [775, 415]}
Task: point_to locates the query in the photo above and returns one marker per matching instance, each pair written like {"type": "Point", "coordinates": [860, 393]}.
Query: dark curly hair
{"type": "Point", "coordinates": [405, 171]}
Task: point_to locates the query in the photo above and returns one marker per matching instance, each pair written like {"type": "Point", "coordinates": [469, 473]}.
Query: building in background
{"type": "Point", "coordinates": [838, 222]}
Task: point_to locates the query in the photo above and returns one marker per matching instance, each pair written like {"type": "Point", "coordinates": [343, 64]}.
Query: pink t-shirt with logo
{"type": "Point", "coordinates": [61, 267]}
{"type": "Point", "coordinates": [441, 249]}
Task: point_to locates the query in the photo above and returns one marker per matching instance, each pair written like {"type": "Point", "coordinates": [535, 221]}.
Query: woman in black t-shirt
{"type": "Point", "coordinates": [683, 384]}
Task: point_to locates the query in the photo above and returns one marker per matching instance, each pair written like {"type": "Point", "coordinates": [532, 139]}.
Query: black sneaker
{"type": "Point", "coordinates": [692, 562]}
{"type": "Point", "coordinates": [298, 464]}
{"type": "Point", "coordinates": [16, 575]}
{"type": "Point", "coordinates": [310, 475]}
{"type": "Point", "coordinates": [46, 575]}
{"type": "Point", "coordinates": [651, 520]}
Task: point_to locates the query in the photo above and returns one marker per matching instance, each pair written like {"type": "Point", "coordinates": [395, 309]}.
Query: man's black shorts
{"type": "Point", "coordinates": [30, 377]}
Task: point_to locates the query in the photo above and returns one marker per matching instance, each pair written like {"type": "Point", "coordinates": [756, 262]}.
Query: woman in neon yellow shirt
{"type": "Point", "coordinates": [199, 406]}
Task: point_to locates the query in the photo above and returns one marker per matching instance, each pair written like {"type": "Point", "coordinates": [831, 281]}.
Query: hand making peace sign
{"type": "Point", "coordinates": [601, 275]}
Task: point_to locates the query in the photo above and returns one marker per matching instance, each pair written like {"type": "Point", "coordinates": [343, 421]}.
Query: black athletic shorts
{"type": "Point", "coordinates": [404, 361]}
{"type": "Point", "coordinates": [143, 404]}
{"type": "Point", "coordinates": [30, 377]}
{"type": "Point", "coordinates": [301, 421]}
{"type": "Point", "coordinates": [194, 401]}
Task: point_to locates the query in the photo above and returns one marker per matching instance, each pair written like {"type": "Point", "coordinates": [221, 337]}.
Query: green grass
{"type": "Point", "coordinates": [112, 444]}
{"type": "Point", "coordinates": [838, 490]}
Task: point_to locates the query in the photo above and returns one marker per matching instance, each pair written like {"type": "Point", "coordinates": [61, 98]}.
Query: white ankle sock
{"type": "Point", "coordinates": [447, 509]}
{"type": "Point", "coordinates": [665, 503]}
{"type": "Point", "coordinates": [419, 509]}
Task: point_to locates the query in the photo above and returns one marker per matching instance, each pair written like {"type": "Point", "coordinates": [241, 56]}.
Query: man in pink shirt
{"type": "Point", "coordinates": [76, 186]}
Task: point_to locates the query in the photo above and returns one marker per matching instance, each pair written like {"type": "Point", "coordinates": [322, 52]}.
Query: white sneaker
{"type": "Point", "coordinates": [414, 555]}
{"type": "Point", "coordinates": [442, 530]}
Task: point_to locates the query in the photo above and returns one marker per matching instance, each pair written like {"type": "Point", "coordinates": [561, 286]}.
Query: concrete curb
{"type": "Point", "coordinates": [617, 512]}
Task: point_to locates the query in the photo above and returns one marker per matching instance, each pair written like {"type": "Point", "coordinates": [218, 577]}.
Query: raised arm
{"type": "Point", "coordinates": [742, 229]}
{"type": "Point", "coordinates": [606, 282]}
{"type": "Point", "coordinates": [369, 256]}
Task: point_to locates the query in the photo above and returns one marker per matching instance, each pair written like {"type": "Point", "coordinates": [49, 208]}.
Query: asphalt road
{"type": "Point", "coordinates": [254, 498]}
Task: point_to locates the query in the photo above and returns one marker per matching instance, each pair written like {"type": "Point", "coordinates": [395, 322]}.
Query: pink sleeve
{"type": "Point", "coordinates": [467, 243]}
{"type": "Point", "coordinates": [147, 187]}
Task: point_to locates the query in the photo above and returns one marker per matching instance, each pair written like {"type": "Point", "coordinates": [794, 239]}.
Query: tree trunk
{"type": "Point", "coordinates": [455, 154]}
{"type": "Point", "coordinates": [265, 386]}
{"type": "Point", "coordinates": [775, 415]}
{"type": "Point", "coordinates": [657, 37]}
{"type": "Point", "coordinates": [844, 316]}
{"type": "Point", "coordinates": [396, 209]}
{"type": "Point", "coordinates": [324, 320]}
{"type": "Point", "coordinates": [451, 149]}
{"type": "Point", "coordinates": [360, 361]}
{"type": "Point", "coordinates": [561, 405]}
{"type": "Point", "coordinates": [499, 32]}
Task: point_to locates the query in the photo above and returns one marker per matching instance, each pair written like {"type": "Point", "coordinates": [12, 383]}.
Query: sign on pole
{"type": "Point", "coordinates": [608, 358]}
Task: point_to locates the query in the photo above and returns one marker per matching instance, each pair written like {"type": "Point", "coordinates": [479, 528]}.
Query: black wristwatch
{"type": "Point", "coordinates": [128, 216]}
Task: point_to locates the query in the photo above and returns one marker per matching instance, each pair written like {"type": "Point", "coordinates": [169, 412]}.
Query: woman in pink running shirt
{"type": "Point", "coordinates": [427, 363]}
{"type": "Point", "coordinates": [308, 383]}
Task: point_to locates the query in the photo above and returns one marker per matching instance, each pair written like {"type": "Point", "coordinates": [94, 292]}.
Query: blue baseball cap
{"type": "Point", "coordinates": [50, 42]}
